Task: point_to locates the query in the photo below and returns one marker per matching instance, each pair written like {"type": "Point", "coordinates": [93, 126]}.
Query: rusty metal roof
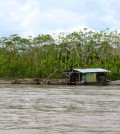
{"type": "Point", "coordinates": [91, 70]}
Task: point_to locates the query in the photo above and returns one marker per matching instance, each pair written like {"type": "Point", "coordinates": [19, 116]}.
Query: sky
{"type": "Point", "coordinates": [33, 17]}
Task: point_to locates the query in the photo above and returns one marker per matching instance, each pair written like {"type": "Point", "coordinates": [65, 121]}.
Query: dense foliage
{"type": "Point", "coordinates": [43, 54]}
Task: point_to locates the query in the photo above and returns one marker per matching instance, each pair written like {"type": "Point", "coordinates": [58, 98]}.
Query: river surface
{"type": "Point", "coordinates": [31, 109]}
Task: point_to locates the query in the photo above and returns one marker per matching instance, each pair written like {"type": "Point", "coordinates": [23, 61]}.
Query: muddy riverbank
{"type": "Point", "coordinates": [36, 81]}
{"type": "Point", "coordinates": [33, 81]}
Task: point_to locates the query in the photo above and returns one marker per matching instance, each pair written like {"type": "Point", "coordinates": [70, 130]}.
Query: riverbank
{"type": "Point", "coordinates": [117, 82]}
{"type": "Point", "coordinates": [36, 81]}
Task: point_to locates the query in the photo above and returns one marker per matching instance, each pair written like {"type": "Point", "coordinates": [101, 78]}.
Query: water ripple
{"type": "Point", "coordinates": [59, 110]}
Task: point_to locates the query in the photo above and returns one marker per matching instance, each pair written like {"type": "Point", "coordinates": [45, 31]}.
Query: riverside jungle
{"type": "Point", "coordinates": [83, 57]}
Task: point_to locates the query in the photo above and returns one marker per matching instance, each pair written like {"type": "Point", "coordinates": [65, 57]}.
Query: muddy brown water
{"type": "Point", "coordinates": [38, 109]}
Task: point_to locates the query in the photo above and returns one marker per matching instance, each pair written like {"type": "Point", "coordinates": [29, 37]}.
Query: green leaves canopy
{"type": "Point", "coordinates": [41, 55]}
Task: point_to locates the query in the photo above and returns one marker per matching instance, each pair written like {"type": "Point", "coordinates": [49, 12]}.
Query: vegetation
{"type": "Point", "coordinates": [42, 55]}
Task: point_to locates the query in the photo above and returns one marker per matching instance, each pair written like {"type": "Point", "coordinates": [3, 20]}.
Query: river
{"type": "Point", "coordinates": [35, 109]}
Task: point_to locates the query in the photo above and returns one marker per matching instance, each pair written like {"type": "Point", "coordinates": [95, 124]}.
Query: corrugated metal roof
{"type": "Point", "coordinates": [91, 70]}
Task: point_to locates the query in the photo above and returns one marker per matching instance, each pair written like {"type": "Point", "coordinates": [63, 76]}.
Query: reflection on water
{"type": "Point", "coordinates": [59, 109]}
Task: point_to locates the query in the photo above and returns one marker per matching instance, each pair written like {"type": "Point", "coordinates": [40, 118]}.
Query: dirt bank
{"type": "Point", "coordinates": [42, 81]}
{"type": "Point", "coordinates": [117, 82]}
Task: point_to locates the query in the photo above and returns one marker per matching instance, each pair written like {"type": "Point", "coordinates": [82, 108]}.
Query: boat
{"type": "Point", "coordinates": [87, 76]}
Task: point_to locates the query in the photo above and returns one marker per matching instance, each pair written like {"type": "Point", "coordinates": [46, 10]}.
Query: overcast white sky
{"type": "Point", "coordinates": [32, 17]}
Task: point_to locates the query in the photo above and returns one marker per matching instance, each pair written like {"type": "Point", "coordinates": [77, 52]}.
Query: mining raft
{"type": "Point", "coordinates": [87, 76]}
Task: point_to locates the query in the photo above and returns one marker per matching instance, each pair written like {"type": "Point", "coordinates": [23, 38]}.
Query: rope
{"type": "Point", "coordinates": [49, 76]}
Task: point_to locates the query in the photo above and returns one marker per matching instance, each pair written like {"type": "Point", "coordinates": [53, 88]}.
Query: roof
{"type": "Point", "coordinates": [91, 70]}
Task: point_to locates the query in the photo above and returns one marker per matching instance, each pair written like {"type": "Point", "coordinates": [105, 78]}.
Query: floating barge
{"type": "Point", "coordinates": [87, 76]}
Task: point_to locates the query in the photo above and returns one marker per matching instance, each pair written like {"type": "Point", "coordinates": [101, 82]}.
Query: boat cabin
{"type": "Point", "coordinates": [85, 76]}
